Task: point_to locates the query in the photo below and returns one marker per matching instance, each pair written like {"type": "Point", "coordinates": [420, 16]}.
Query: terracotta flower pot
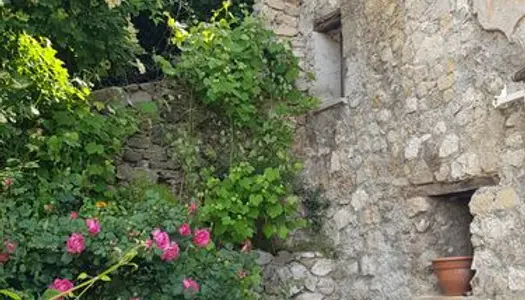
{"type": "Point", "coordinates": [454, 274]}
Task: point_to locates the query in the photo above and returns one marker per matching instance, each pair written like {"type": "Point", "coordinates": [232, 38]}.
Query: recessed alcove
{"type": "Point", "coordinates": [452, 220]}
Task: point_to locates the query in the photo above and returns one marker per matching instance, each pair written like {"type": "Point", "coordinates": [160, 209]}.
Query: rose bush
{"type": "Point", "coordinates": [63, 216]}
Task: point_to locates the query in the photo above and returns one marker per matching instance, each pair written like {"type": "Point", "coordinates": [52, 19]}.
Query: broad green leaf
{"type": "Point", "coordinates": [92, 148]}
{"type": "Point", "coordinates": [275, 210]}
{"type": "Point", "coordinates": [82, 276]}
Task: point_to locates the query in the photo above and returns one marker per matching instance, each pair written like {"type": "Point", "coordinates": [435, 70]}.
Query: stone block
{"type": "Point", "coordinates": [489, 199]}
{"type": "Point", "coordinates": [449, 145]}
{"type": "Point", "coordinates": [131, 155]}
{"type": "Point", "coordinates": [276, 4]}
{"type": "Point", "coordinates": [326, 286]}
{"type": "Point", "coordinates": [417, 205]}
{"type": "Point", "coordinates": [264, 258]}
{"type": "Point", "coordinates": [310, 296]}
{"type": "Point", "coordinates": [299, 271]}
{"type": "Point", "coordinates": [286, 30]}
{"type": "Point", "coordinates": [323, 267]}
{"type": "Point", "coordinates": [111, 95]}
{"type": "Point", "coordinates": [418, 172]}
{"type": "Point", "coordinates": [139, 142]}
{"type": "Point", "coordinates": [139, 97]}
{"type": "Point", "coordinates": [343, 217]}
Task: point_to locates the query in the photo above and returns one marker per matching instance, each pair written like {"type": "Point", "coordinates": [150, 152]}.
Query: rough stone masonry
{"type": "Point", "coordinates": [416, 123]}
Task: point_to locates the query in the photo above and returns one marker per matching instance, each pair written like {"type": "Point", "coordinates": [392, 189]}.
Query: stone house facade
{"type": "Point", "coordinates": [415, 157]}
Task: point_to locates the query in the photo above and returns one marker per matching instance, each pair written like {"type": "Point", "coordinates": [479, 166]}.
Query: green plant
{"type": "Point", "coordinates": [242, 79]}
{"type": "Point", "coordinates": [41, 255]}
{"type": "Point", "coordinates": [100, 40]}
{"type": "Point", "coordinates": [64, 216]}
{"type": "Point", "coordinates": [235, 204]}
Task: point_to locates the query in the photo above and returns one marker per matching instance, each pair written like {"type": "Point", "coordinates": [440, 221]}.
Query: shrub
{"type": "Point", "coordinates": [99, 39]}
{"type": "Point", "coordinates": [64, 218]}
{"type": "Point", "coordinates": [42, 254]}
{"type": "Point", "coordinates": [242, 78]}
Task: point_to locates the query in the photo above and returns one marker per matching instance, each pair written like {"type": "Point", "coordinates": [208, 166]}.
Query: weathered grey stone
{"type": "Point", "coordinates": [139, 97]}
{"type": "Point", "coordinates": [343, 217]}
{"type": "Point", "coordinates": [489, 199]}
{"type": "Point", "coordinates": [264, 258]}
{"type": "Point", "coordinates": [445, 82]}
{"type": "Point", "coordinates": [131, 155]}
{"type": "Point", "coordinates": [298, 271]}
{"type": "Point", "coordinates": [419, 173]}
{"type": "Point", "coordinates": [114, 95]}
{"type": "Point", "coordinates": [367, 265]}
{"type": "Point", "coordinates": [283, 258]}
{"type": "Point", "coordinates": [323, 267]}
{"type": "Point", "coordinates": [359, 199]}
{"type": "Point", "coordinates": [449, 146]}
{"type": "Point", "coordinates": [513, 119]}
{"type": "Point", "coordinates": [411, 105]}
{"type": "Point", "coordinates": [499, 15]}
{"type": "Point", "coordinates": [326, 286]}
{"type": "Point", "coordinates": [514, 158]}
{"type": "Point", "coordinates": [422, 225]}
{"type": "Point", "coordinates": [310, 283]}
{"type": "Point", "coordinates": [139, 142]}
{"type": "Point", "coordinates": [124, 172]}
{"type": "Point", "coordinates": [276, 4]}
{"type": "Point", "coordinates": [284, 274]}
{"type": "Point", "coordinates": [310, 296]}
{"type": "Point", "coordinates": [286, 30]}
{"type": "Point", "coordinates": [516, 278]}
{"type": "Point", "coordinates": [412, 148]}
{"type": "Point", "coordinates": [417, 205]}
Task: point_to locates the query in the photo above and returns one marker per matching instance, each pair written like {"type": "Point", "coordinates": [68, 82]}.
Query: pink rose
{"type": "Point", "coordinates": [4, 257]}
{"type": "Point", "coordinates": [202, 237]}
{"type": "Point", "coordinates": [73, 215]}
{"type": "Point", "coordinates": [10, 247]}
{"type": "Point", "coordinates": [76, 243]}
{"type": "Point", "coordinates": [171, 252]}
{"type": "Point", "coordinates": [8, 182]}
{"type": "Point", "coordinates": [193, 208]}
{"type": "Point", "coordinates": [149, 243]}
{"type": "Point", "coordinates": [162, 239]}
{"type": "Point", "coordinates": [190, 284]}
{"type": "Point", "coordinates": [185, 229]}
{"type": "Point", "coordinates": [62, 285]}
{"type": "Point", "coordinates": [93, 226]}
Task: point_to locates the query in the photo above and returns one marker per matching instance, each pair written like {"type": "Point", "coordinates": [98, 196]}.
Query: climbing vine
{"type": "Point", "coordinates": [243, 97]}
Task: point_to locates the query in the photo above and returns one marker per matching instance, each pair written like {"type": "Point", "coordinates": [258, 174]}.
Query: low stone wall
{"type": "Point", "coordinates": [146, 153]}
{"type": "Point", "coordinates": [301, 275]}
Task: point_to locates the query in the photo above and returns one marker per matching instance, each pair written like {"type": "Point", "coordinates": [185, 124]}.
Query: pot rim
{"type": "Point", "coordinates": [452, 258]}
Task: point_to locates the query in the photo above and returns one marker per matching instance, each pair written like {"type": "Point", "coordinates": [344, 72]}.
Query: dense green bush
{"type": "Point", "coordinates": [62, 214]}
{"type": "Point", "coordinates": [101, 39]}
{"type": "Point", "coordinates": [242, 79]}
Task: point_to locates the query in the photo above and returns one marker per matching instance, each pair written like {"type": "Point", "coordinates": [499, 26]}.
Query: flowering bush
{"type": "Point", "coordinates": [65, 222]}
{"type": "Point", "coordinates": [175, 263]}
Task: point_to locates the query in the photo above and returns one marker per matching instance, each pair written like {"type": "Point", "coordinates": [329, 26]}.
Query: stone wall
{"type": "Point", "coordinates": [418, 122]}
{"type": "Point", "coordinates": [301, 275]}
{"type": "Point", "coordinates": [146, 154]}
